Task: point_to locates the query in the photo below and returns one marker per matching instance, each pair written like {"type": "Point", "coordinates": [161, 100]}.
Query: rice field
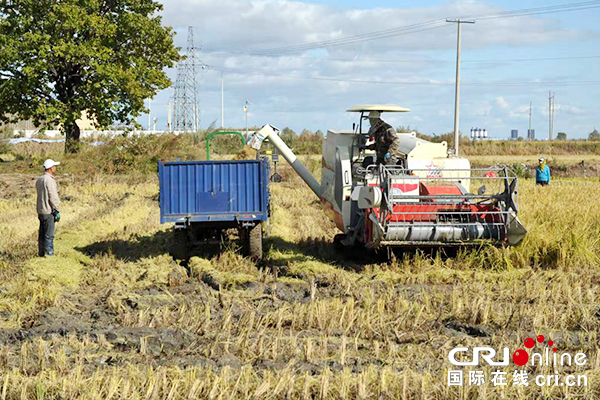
{"type": "Point", "coordinates": [114, 317]}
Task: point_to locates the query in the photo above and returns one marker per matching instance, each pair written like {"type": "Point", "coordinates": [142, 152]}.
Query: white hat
{"type": "Point", "coordinates": [374, 114]}
{"type": "Point", "coordinates": [542, 159]}
{"type": "Point", "coordinates": [50, 163]}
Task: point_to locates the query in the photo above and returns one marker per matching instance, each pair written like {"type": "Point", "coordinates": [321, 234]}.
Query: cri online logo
{"type": "Point", "coordinates": [520, 357]}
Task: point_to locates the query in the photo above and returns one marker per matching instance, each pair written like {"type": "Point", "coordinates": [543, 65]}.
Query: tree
{"type": "Point", "coordinates": [288, 131]}
{"type": "Point", "coordinates": [287, 135]}
{"type": "Point", "coordinates": [60, 58]}
{"type": "Point", "coordinates": [561, 136]}
{"type": "Point", "coordinates": [594, 135]}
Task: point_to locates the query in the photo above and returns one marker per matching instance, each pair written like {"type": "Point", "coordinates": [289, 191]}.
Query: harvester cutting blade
{"type": "Point", "coordinates": [515, 232]}
{"type": "Point", "coordinates": [513, 196]}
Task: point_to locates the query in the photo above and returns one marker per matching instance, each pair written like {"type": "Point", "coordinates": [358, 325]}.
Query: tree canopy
{"type": "Point", "coordinates": [594, 135]}
{"type": "Point", "coordinates": [561, 136]}
{"type": "Point", "coordinates": [60, 58]}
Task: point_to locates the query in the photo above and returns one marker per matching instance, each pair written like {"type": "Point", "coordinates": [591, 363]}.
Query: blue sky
{"type": "Point", "coordinates": [497, 64]}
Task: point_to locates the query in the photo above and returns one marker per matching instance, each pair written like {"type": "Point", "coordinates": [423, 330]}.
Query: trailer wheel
{"type": "Point", "coordinates": [255, 242]}
{"type": "Point", "coordinates": [337, 242]}
{"type": "Point", "coordinates": [180, 245]}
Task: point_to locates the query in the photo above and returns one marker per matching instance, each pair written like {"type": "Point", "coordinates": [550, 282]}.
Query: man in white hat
{"type": "Point", "coordinates": [47, 208]}
{"type": "Point", "coordinates": [385, 139]}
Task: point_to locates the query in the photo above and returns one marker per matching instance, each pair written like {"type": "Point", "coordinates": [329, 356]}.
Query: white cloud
{"type": "Point", "coordinates": [562, 108]}
{"type": "Point", "coordinates": [520, 112]}
{"type": "Point", "coordinates": [500, 102]}
{"type": "Point", "coordinates": [230, 28]}
{"type": "Point", "coordinates": [242, 25]}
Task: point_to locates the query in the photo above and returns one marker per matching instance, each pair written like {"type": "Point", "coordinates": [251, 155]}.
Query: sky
{"type": "Point", "coordinates": [506, 64]}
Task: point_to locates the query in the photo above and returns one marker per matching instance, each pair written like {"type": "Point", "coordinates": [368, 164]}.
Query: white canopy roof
{"type": "Point", "coordinates": [378, 107]}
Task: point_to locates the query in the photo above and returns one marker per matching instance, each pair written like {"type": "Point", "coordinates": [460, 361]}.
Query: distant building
{"type": "Point", "coordinates": [87, 123]}
{"type": "Point", "coordinates": [28, 128]}
{"type": "Point", "coordinates": [20, 126]}
{"type": "Point", "coordinates": [531, 134]}
{"type": "Point", "coordinates": [514, 134]}
{"type": "Point", "coordinates": [479, 133]}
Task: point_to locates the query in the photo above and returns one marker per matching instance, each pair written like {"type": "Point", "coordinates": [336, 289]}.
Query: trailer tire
{"type": "Point", "coordinates": [255, 242]}
{"type": "Point", "coordinates": [337, 242]}
{"type": "Point", "coordinates": [180, 245]}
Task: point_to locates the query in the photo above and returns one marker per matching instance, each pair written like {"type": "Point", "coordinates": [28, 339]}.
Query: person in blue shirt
{"type": "Point", "coordinates": [542, 173]}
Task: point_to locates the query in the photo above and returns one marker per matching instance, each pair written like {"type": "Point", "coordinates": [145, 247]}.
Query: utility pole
{"type": "Point", "coordinates": [551, 99]}
{"type": "Point", "coordinates": [530, 114]}
{"type": "Point", "coordinates": [459, 22]}
{"type": "Point", "coordinates": [222, 102]}
{"type": "Point", "coordinates": [149, 114]}
{"type": "Point", "coordinates": [550, 115]}
{"type": "Point", "coordinates": [169, 116]}
{"type": "Point", "coordinates": [246, 111]}
{"type": "Point", "coordinates": [553, 104]}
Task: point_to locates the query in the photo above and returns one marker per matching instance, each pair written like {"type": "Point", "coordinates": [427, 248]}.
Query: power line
{"type": "Point", "coordinates": [411, 83]}
{"type": "Point", "coordinates": [538, 10]}
{"type": "Point", "coordinates": [392, 61]}
{"type": "Point", "coordinates": [534, 59]}
{"type": "Point", "coordinates": [405, 30]}
{"type": "Point", "coordinates": [420, 27]}
{"type": "Point", "coordinates": [343, 42]}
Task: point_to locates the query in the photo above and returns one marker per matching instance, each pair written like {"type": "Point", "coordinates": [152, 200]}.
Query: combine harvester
{"type": "Point", "coordinates": [430, 198]}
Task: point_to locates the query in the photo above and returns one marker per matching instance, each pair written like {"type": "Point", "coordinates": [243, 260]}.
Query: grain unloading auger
{"type": "Point", "coordinates": [425, 199]}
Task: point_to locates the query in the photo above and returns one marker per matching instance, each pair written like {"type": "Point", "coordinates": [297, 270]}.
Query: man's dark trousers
{"type": "Point", "coordinates": [46, 236]}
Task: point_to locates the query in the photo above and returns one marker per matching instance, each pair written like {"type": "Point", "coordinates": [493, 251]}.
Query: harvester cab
{"type": "Point", "coordinates": [427, 197]}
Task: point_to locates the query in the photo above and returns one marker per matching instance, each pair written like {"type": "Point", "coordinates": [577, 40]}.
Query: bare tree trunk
{"type": "Point", "coordinates": [72, 134]}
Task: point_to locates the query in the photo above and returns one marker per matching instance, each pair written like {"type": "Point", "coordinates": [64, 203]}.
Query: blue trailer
{"type": "Point", "coordinates": [205, 198]}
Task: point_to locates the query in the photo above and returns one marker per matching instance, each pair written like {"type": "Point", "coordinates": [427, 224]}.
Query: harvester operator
{"type": "Point", "coordinates": [47, 208]}
{"type": "Point", "coordinates": [386, 141]}
{"type": "Point", "coordinates": [542, 173]}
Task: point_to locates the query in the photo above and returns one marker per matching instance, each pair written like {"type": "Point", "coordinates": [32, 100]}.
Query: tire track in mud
{"type": "Point", "coordinates": [87, 310]}
{"type": "Point", "coordinates": [17, 271]}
